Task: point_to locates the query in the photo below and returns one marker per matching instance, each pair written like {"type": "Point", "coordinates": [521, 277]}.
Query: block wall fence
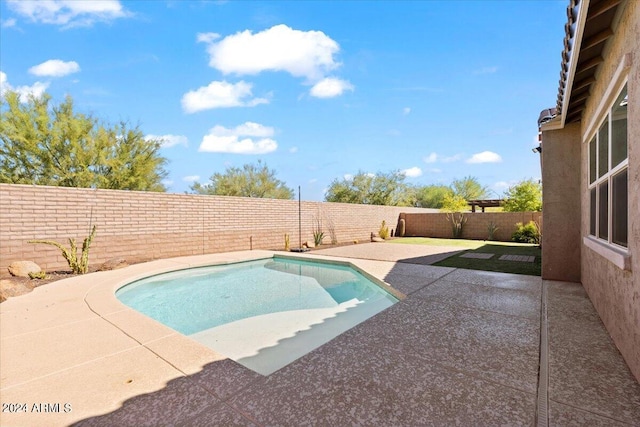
{"type": "Point", "coordinates": [140, 226]}
{"type": "Point", "coordinates": [437, 225]}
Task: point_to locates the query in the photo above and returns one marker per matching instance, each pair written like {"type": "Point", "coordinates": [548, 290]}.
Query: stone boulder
{"type": "Point", "coordinates": [11, 288]}
{"type": "Point", "coordinates": [113, 264]}
{"type": "Point", "coordinates": [23, 268]}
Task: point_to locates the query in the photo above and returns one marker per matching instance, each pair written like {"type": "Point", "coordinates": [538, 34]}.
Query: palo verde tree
{"type": "Point", "coordinates": [432, 196]}
{"type": "Point", "coordinates": [525, 196]}
{"type": "Point", "coordinates": [469, 188]}
{"type": "Point", "coordinates": [249, 181]}
{"type": "Point", "coordinates": [45, 144]}
{"type": "Point", "coordinates": [380, 189]}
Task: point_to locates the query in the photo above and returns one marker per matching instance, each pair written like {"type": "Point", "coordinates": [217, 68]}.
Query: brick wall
{"type": "Point", "coordinates": [142, 225]}
{"type": "Point", "coordinates": [437, 225]}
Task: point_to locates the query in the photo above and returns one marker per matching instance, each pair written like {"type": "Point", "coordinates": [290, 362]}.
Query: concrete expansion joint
{"type": "Point", "coordinates": [542, 400]}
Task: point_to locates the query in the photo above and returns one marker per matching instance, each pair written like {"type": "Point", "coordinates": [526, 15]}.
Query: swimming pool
{"type": "Point", "coordinates": [263, 314]}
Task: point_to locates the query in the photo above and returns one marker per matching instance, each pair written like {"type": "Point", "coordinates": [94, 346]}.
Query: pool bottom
{"type": "Point", "coordinates": [263, 314]}
{"type": "Point", "coordinates": [270, 342]}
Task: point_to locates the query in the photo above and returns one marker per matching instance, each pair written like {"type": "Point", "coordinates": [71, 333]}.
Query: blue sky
{"type": "Point", "coordinates": [316, 90]}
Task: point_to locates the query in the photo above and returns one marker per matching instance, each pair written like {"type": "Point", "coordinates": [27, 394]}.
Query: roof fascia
{"type": "Point", "coordinates": [573, 60]}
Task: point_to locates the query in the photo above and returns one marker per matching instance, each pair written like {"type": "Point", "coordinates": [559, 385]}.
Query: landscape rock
{"type": "Point", "coordinates": [23, 268]}
{"type": "Point", "coordinates": [113, 264]}
{"type": "Point", "coordinates": [377, 239]}
{"type": "Point", "coordinates": [10, 289]}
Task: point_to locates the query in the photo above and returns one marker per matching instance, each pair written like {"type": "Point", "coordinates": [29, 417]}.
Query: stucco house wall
{"type": "Point", "coordinates": [561, 240]}
{"type": "Point", "coordinates": [615, 292]}
{"type": "Point", "coordinates": [612, 285]}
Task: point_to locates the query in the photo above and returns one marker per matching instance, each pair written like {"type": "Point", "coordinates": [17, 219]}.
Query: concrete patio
{"type": "Point", "coordinates": [463, 348]}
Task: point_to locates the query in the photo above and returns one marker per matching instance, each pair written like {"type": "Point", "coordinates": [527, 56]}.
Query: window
{"type": "Point", "coordinates": [608, 175]}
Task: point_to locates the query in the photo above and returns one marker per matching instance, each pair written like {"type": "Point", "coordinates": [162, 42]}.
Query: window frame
{"type": "Point", "coordinates": [616, 254]}
{"type": "Point", "coordinates": [605, 178]}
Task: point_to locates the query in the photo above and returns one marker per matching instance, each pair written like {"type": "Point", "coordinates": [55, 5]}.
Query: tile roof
{"type": "Point", "coordinates": [589, 26]}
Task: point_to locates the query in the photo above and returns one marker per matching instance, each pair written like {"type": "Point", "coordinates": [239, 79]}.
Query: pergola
{"type": "Point", "coordinates": [488, 203]}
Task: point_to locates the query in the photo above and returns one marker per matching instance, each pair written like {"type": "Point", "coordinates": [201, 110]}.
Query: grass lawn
{"type": "Point", "coordinates": [492, 264]}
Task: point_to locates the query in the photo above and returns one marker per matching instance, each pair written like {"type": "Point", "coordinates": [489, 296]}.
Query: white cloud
{"type": "Point", "coordinates": [307, 54]}
{"type": "Point", "coordinates": [348, 176]}
{"type": "Point", "coordinates": [503, 185]}
{"type": "Point", "coordinates": [245, 129]}
{"type": "Point", "coordinates": [413, 172]}
{"type": "Point", "coordinates": [191, 178]}
{"type": "Point", "coordinates": [313, 180]}
{"type": "Point", "coordinates": [8, 23]}
{"type": "Point", "coordinates": [293, 150]}
{"type": "Point", "coordinates": [220, 95]}
{"type": "Point", "coordinates": [167, 182]}
{"type": "Point", "coordinates": [24, 92]}
{"type": "Point", "coordinates": [451, 159]}
{"type": "Point", "coordinates": [4, 83]}
{"type": "Point", "coordinates": [225, 140]}
{"type": "Point", "coordinates": [485, 157]}
{"type": "Point", "coordinates": [486, 70]}
{"type": "Point", "coordinates": [69, 13]}
{"type": "Point", "coordinates": [431, 158]}
{"type": "Point", "coordinates": [55, 68]}
{"type": "Point", "coordinates": [207, 37]}
{"type": "Point", "coordinates": [169, 140]}
{"type": "Point", "coordinates": [330, 87]}
{"type": "Point", "coordinates": [36, 90]}
{"type": "Point", "coordinates": [406, 111]}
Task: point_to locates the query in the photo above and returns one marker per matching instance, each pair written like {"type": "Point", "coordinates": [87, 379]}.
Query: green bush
{"type": "Point", "coordinates": [529, 233]}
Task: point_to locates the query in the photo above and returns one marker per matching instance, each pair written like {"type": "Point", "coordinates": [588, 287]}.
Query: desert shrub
{"type": "Point", "coordinates": [78, 266]}
{"type": "Point", "coordinates": [457, 220]}
{"type": "Point", "coordinates": [318, 234]}
{"type": "Point", "coordinates": [38, 275]}
{"type": "Point", "coordinates": [384, 230]}
{"type": "Point", "coordinates": [492, 228]}
{"type": "Point", "coordinates": [528, 233]}
{"type": "Point", "coordinates": [401, 228]}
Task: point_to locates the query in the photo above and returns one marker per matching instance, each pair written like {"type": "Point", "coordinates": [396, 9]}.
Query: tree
{"type": "Point", "coordinates": [52, 145]}
{"type": "Point", "coordinates": [526, 196]}
{"type": "Point", "coordinates": [250, 181]}
{"type": "Point", "coordinates": [454, 203]}
{"type": "Point", "coordinates": [380, 189]}
{"type": "Point", "coordinates": [432, 196]}
{"type": "Point", "coordinates": [470, 189]}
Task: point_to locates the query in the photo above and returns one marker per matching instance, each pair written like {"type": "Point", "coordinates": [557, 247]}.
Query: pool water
{"type": "Point", "coordinates": [263, 314]}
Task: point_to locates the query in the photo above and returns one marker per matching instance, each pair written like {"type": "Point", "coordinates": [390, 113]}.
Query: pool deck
{"type": "Point", "coordinates": [463, 348]}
